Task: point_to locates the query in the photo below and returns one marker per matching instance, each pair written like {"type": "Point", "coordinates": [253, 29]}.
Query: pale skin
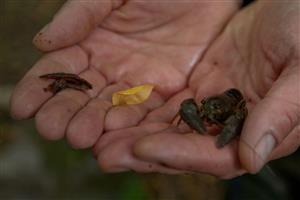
{"type": "Point", "coordinates": [186, 49]}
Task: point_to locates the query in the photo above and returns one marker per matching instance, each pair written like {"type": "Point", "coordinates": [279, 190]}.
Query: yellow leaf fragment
{"type": "Point", "coordinates": [131, 96]}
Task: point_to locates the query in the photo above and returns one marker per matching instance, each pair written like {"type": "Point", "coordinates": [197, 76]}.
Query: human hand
{"type": "Point", "coordinates": [114, 45]}
{"type": "Point", "coordinates": [258, 53]}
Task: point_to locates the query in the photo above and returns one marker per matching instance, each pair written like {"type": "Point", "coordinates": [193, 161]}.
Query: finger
{"type": "Point", "coordinates": [88, 124]}
{"type": "Point", "coordinates": [270, 122]}
{"type": "Point", "coordinates": [189, 152]}
{"type": "Point", "coordinates": [74, 21]}
{"type": "Point", "coordinates": [28, 96]}
{"type": "Point", "coordinates": [112, 136]}
{"type": "Point", "coordinates": [118, 157]}
{"type": "Point", "coordinates": [54, 116]}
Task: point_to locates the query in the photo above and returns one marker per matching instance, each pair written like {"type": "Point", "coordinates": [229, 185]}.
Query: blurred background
{"type": "Point", "coordinates": [32, 168]}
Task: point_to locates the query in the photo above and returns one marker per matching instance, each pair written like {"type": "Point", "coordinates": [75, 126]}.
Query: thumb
{"type": "Point", "coordinates": [270, 123]}
{"type": "Point", "coordinates": [72, 23]}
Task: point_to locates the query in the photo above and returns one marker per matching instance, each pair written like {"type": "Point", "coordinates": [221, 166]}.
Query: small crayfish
{"type": "Point", "coordinates": [227, 110]}
{"type": "Point", "coordinates": [65, 80]}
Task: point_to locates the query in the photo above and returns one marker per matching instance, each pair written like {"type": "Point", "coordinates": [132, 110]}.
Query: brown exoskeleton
{"type": "Point", "coordinates": [227, 110]}
{"type": "Point", "coordinates": [65, 80]}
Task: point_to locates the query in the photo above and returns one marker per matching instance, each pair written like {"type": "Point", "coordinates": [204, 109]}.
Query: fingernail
{"type": "Point", "coordinates": [263, 150]}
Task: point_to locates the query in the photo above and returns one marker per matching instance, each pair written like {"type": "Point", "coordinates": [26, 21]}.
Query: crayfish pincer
{"type": "Point", "coordinates": [227, 110]}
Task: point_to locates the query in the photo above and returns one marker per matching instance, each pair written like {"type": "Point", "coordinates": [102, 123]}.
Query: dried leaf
{"type": "Point", "coordinates": [135, 95]}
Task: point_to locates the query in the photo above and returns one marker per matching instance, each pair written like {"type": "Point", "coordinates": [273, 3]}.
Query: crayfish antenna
{"type": "Point", "coordinates": [174, 118]}
{"type": "Point", "coordinates": [180, 119]}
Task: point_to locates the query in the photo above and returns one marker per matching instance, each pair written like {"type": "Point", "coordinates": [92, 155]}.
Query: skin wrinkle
{"type": "Point", "coordinates": [68, 66]}
{"type": "Point", "coordinates": [251, 56]}
{"type": "Point", "coordinates": [73, 115]}
{"type": "Point", "coordinates": [108, 109]}
{"type": "Point", "coordinates": [163, 58]}
{"type": "Point", "coordinates": [107, 141]}
{"type": "Point", "coordinates": [297, 141]}
{"type": "Point", "coordinates": [63, 66]}
{"type": "Point", "coordinates": [104, 120]}
{"type": "Point", "coordinates": [75, 103]}
{"type": "Point", "coordinates": [295, 104]}
{"type": "Point", "coordinates": [253, 76]}
{"type": "Point", "coordinates": [244, 62]}
{"type": "Point", "coordinates": [105, 83]}
{"type": "Point", "coordinates": [121, 73]}
{"type": "Point", "coordinates": [238, 50]}
{"type": "Point", "coordinates": [182, 69]}
{"type": "Point", "coordinates": [190, 66]}
{"type": "Point", "coordinates": [91, 15]}
{"type": "Point", "coordinates": [109, 25]}
{"type": "Point", "coordinates": [117, 40]}
{"type": "Point", "coordinates": [84, 92]}
{"type": "Point", "coordinates": [291, 120]}
{"type": "Point", "coordinates": [295, 145]}
{"type": "Point", "coordinates": [289, 72]}
{"type": "Point", "coordinates": [285, 148]}
{"type": "Point", "coordinates": [158, 26]}
{"type": "Point", "coordinates": [89, 55]}
{"type": "Point", "coordinates": [72, 99]}
{"type": "Point", "coordinates": [116, 4]}
{"type": "Point", "coordinates": [127, 76]}
{"type": "Point", "coordinates": [148, 111]}
{"type": "Point", "coordinates": [164, 43]}
{"type": "Point", "coordinates": [280, 98]}
{"type": "Point", "coordinates": [269, 58]}
{"type": "Point", "coordinates": [202, 56]}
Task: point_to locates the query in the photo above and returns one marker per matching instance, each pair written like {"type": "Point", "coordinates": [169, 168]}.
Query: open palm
{"type": "Point", "coordinates": [116, 45]}
{"type": "Point", "coordinates": [257, 53]}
